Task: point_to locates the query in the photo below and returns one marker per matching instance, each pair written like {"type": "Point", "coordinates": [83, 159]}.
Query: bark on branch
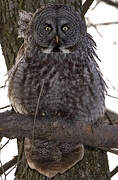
{"type": "Point", "coordinates": [8, 165]}
{"type": "Point", "coordinates": [17, 125]}
{"type": "Point", "coordinates": [114, 171]}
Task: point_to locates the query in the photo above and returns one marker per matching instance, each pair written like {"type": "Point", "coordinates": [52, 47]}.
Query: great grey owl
{"type": "Point", "coordinates": [56, 77]}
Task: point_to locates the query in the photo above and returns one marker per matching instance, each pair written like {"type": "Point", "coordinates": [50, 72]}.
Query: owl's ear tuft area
{"type": "Point", "coordinates": [24, 19]}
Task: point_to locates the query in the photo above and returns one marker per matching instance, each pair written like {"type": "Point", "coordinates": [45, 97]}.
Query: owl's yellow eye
{"type": "Point", "coordinates": [48, 28]}
{"type": "Point", "coordinates": [65, 28]}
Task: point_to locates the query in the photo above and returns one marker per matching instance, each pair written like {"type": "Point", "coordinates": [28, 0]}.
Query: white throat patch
{"type": "Point", "coordinates": [49, 50]}
{"type": "Point", "coordinates": [65, 51]}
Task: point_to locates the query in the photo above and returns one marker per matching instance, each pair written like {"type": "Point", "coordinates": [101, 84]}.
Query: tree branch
{"type": "Point", "coordinates": [17, 125]}
{"type": "Point", "coordinates": [8, 165]}
{"type": "Point", "coordinates": [114, 171]}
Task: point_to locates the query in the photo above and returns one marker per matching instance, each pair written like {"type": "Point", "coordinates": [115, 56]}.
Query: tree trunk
{"type": "Point", "coordinates": [94, 165]}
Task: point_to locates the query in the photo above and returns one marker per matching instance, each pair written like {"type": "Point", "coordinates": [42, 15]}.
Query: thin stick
{"type": "Point", "coordinates": [5, 107]}
{"type": "Point", "coordinates": [113, 151]}
{"type": "Point", "coordinates": [86, 6]}
{"type": "Point", "coordinates": [112, 3]}
{"type": "Point", "coordinates": [114, 171]}
{"type": "Point", "coordinates": [2, 86]}
{"type": "Point", "coordinates": [37, 109]}
{"type": "Point", "coordinates": [8, 165]}
{"type": "Point", "coordinates": [112, 96]}
{"type": "Point", "coordinates": [102, 24]}
{"type": "Point", "coordinates": [4, 144]}
{"type": "Point", "coordinates": [109, 119]}
{"type": "Point", "coordinates": [106, 23]}
{"type": "Point", "coordinates": [2, 170]}
{"type": "Point", "coordinates": [11, 170]}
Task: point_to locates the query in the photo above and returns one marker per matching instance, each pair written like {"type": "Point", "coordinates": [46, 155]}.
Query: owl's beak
{"type": "Point", "coordinates": [57, 39]}
{"type": "Point", "coordinates": [56, 47]}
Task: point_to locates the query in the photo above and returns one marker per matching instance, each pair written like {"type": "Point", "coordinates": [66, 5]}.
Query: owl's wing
{"type": "Point", "coordinates": [15, 102]}
{"type": "Point", "coordinates": [19, 57]}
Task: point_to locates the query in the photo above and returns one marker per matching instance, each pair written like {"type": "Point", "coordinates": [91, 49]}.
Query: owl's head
{"type": "Point", "coordinates": [56, 28]}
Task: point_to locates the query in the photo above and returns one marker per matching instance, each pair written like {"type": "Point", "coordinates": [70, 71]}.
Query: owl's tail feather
{"type": "Point", "coordinates": [51, 168]}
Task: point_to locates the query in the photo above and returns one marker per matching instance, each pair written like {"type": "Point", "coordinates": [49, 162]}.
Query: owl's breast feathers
{"type": "Point", "coordinates": [56, 84]}
{"type": "Point", "coordinates": [63, 82]}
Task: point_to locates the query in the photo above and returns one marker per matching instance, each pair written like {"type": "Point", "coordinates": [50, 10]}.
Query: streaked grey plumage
{"type": "Point", "coordinates": [56, 64]}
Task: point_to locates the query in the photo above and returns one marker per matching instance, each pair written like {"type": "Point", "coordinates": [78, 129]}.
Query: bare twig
{"type": "Point", "coordinates": [109, 119]}
{"type": "Point", "coordinates": [2, 169]}
{"type": "Point", "coordinates": [90, 24]}
{"type": "Point", "coordinates": [96, 4]}
{"type": "Point", "coordinates": [11, 169]}
{"type": "Point", "coordinates": [35, 116]}
{"type": "Point", "coordinates": [113, 3]}
{"type": "Point", "coordinates": [5, 107]}
{"type": "Point", "coordinates": [114, 171]}
{"type": "Point", "coordinates": [4, 144]}
{"type": "Point", "coordinates": [24, 171]}
{"type": "Point", "coordinates": [97, 31]}
{"type": "Point", "coordinates": [112, 96]}
{"type": "Point", "coordinates": [106, 23]}
{"type": "Point", "coordinates": [111, 84]}
{"type": "Point", "coordinates": [113, 151]}
{"type": "Point", "coordinates": [101, 24]}
{"type": "Point", "coordinates": [2, 86]}
{"type": "Point", "coordinates": [86, 6]}
{"type": "Point", "coordinates": [113, 117]}
{"type": "Point", "coordinates": [8, 165]}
